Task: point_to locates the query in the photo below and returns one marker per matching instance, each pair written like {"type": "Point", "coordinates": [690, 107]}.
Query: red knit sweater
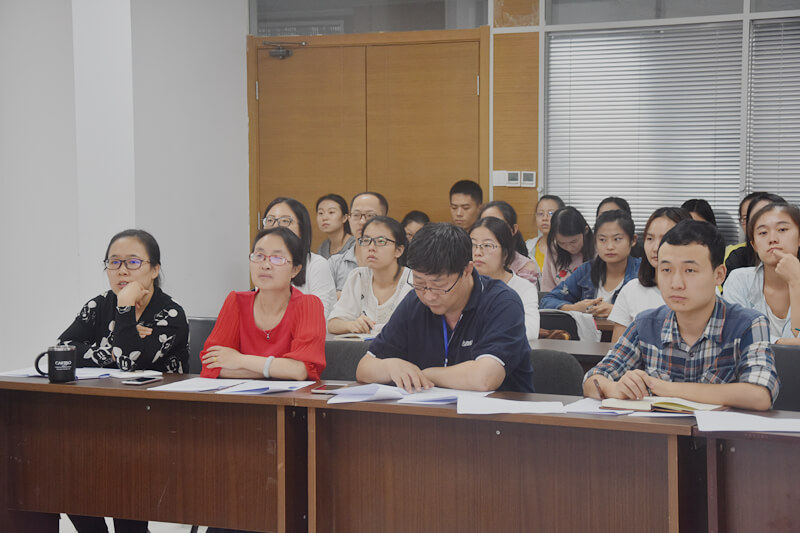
{"type": "Point", "coordinates": [300, 335]}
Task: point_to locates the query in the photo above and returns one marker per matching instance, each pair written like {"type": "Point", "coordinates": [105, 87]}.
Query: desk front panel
{"type": "Point", "coordinates": [372, 471]}
{"type": "Point", "coordinates": [210, 463]}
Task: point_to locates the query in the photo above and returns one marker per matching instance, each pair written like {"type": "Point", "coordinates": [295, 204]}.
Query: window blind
{"type": "Point", "coordinates": [773, 162]}
{"type": "Point", "coordinates": [651, 115]}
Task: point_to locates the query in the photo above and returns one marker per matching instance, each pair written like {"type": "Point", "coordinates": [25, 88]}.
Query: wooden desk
{"type": "Point", "coordinates": [388, 467]}
{"type": "Point", "coordinates": [752, 480]}
{"type": "Point", "coordinates": [101, 448]}
{"type": "Point", "coordinates": [606, 328]}
{"type": "Point", "coordinates": [588, 353]}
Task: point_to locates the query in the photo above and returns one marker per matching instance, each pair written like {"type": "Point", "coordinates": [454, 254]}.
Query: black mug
{"type": "Point", "coordinates": [61, 363]}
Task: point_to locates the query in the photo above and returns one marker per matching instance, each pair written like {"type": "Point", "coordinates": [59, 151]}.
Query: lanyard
{"type": "Point", "coordinates": [446, 340]}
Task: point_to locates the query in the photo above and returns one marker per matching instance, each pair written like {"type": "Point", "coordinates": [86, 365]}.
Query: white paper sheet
{"type": "Point", "coordinates": [119, 374]}
{"type": "Point", "coordinates": [259, 386]}
{"type": "Point", "coordinates": [198, 385]}
{"type": "Point", "coordinates": [80, 373]}
{"type": "Point", "coordinates": [590, 406]}
{"type": "Point", "coordinates": [439, 396]}
{"type": "Point", "coordinates": [474, 405]}
{"type": "Point", "coordinates": [727, 421]}
{"type": "Point", "coordinates": [371, 392]}
{"type": "Point", "coordinates": [658, 414]}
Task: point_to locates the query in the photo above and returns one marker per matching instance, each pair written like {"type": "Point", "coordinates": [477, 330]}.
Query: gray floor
{"type": "Point", "coordinates": [65, 526]}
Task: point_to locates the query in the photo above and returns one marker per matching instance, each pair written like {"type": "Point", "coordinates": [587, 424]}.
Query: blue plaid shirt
{"type": "Point", "coordinates": [734, 347]}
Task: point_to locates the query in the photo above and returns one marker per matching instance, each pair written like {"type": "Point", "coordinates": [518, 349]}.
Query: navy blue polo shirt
{"type": "Point", "coordinates": [492, 324]}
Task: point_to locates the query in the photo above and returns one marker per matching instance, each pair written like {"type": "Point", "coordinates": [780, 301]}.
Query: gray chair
{"type": "Point", "coordinates": [555, 319]}
{"type": "Point", "coordinates": [787, 362]}
{"type": "Point", "coordinates": [341, 359]}
{"type": "Point", "coordinates": [199, 330]}
{"type": "Point", "coordinates": [556, 372]}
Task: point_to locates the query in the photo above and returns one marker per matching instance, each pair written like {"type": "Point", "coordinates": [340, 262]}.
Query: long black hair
{"type": "Point", "coordinates": [567, 222]}
{"type": "Point", "coordinates": [702, 208]}
{"type": "Point", "coordinates": [625, 222]}
{"type": "Point", "coordinates": [342, 207]}
{"type": "Point", "coordinates": [647, 273]}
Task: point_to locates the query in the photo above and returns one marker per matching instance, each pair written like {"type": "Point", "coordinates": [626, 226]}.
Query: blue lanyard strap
{"type": "Point", "coordinates": [446, 340]}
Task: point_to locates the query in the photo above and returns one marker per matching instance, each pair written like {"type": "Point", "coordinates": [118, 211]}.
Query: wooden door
{"type": "Point", "coordinates": [423, 112]}
{"type": "Point", "coordinates": [311, 126]}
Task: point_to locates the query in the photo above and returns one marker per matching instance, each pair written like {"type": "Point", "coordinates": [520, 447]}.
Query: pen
{"type": "Point", "coordinates": [599, 390]}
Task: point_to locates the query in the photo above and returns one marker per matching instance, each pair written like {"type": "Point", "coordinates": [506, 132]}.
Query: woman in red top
{"type": "Point", "coordinates": [275, 331]}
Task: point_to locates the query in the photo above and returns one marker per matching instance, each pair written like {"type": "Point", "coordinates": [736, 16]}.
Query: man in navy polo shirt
{"type": "Point", "coordinates": [457, 329]}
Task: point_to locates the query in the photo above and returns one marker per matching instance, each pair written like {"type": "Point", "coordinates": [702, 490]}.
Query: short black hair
{"type": "Point", "coordinates": [552, 198]}
{"type": "Point", "coordinates": [749, 197]}
{"type": "Point", "coordinates": [568, 221]}
{"type": "Point", "coordinates": [293, 244]}
{"type": "Point", "coordinates": [342, 206]}
{"type": "Point", "coordinates": [688, 232]}
{"type": "Point", "coordinates": [468, 187]}
{"type": "Point", "coordinates": [381, 200]}
{"type": "Point", "coordinates": [150, 245]}
{"type": "Point", "coordinates": [647, 274]}
{"type": "Point", "coordinates": [702, 208]}
{"type": "Point", "coordinates": [440, 248]}
{"type": "Point", "coordinates": [303, 219]}
{"type": "Point", "coordinates": [502, 233]}
{"type": "Point", "coordinates": [622, 203]}
{"type": "Point", "coordinates": [398, 235]}
{"type": "Point", "coordinates": [510, 218]}
{"type": "Point", "coordinates": [415, 216]}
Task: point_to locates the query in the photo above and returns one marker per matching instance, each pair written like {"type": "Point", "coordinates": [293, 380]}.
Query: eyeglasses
{"type": "Point", "coordinates": [743, 220]}
{"type": "Point", "coordinates": [379, 241]}
{"type": "Point", "coordinates": [357, 215]}
{"type": "Point", "coordinates": [274, 259]}
{"type": "Point", "coordinates": [130, 264]}
{"type": "Point", "coordinates": [541, 214]}
{"type": "Point", "coordinates": [284, 222]}
{"type": "Point", "coordinates": [434, 290]}
{"type": "Point", "coordinates": [487, 245]}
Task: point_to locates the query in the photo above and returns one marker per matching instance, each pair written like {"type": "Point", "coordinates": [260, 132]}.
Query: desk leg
{"type": "Point", "coordinates": [712, 475]}
{"type": "Point", "coordinates": [11, 520]}
{"type": "Point", "coordinates": [672, 483]}
{"type": "Point", "coordinates": [292, 492]}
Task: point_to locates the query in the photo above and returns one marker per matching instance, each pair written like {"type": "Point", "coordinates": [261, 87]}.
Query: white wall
{"type": "Point", "coordinates": [116, 113]}
{"type": "Point", "coordinates": [190, 123]}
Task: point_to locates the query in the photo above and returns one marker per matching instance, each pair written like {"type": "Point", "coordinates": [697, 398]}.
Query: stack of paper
{"type": "Point", "coordinates": [728, 421]}
{"type": "Point", "coordinates": [473, 405]}
{"type": "Point", "coordinates": [80, 373]}
{"type": "Point", "coordinates": [198, 385]}
{"type": "Point", "coordinates": [376, 392]}
{"type": "Point", "coordinates": [259, 386]}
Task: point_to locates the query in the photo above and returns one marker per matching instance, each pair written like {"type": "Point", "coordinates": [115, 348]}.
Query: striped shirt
{"type": "Point", "coordinates": [734, 347]}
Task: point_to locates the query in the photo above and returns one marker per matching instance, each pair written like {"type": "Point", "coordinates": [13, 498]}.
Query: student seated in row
{"type": "Point", "coordinates": [363, 207]}
{"type": "Point", "coordinates": [289, 213]}
{"type": "Point", "coordinates": [457, 329]}
{"type": "Point", "coordinates": [642, 293]}
{"type": "Point", "coordinates": [492, 250]}
{"type": "Point", "coordinates": [413, 221]}
{"type": "Point", "coordinates": [570, 243]}
{"type": "Point", "coordinates": [275, 331]}
{"type": "Point", "coordinates": [547, 205]}
{"type": "Point", "coordinates": [744, 205]}
{"type": "Point", "coordinates": [372, 292]}
{"type": "Point", "coordinates": [612, 203]}
{"type": "Point", "coordinates": [333, 220]}
{"type": "Point", "coordinates": [697, 347]}
{"type": "Point", "coordinates": [594, 286]}
{"type": "Point", "coordinates": [466, 198]}
{"type": "Point", "coordinates": [521, 265]}
{"type": "Point", "coordinates": [772, 287]}
{"type": "Point", "coordinates": [745, 256]}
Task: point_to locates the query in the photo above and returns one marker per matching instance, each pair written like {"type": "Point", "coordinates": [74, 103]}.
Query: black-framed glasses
{"type": "Point", "coordinates": [130, 264]}
{"type": "Point", "coordinates": [434, 290]}
{"type": "Point", "coordinates": [274, 259]}
{"type": "Point", "coordinates": [379, 241]}
{"type": "Point", "coordinates": [358, 215]}
{"type": "Point", "coordinates": [484, 246]}
{"type": "Point", "coordinates": [283, 222]}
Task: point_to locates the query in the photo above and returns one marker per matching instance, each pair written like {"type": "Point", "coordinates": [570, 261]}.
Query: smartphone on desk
{"type": "Point", "coordinates": [142, 381]}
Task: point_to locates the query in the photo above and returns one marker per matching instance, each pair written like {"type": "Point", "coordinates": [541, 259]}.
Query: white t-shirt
{"type": "Point", "coordinates": [632, 300]}
{"type": "Point", "coordinates": [530, 302]}
{"type": "Point", "coordinates": [319, 282]}
{"type": "Point", "coordinates": [607, 295]}
{"type": "Point", "coordinates": [357, 297]}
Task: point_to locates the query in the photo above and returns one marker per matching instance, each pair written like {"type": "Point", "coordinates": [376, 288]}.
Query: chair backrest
{"type": "Point", "coordinates": [554, 319]}
{"type": "Point", "coordinates": [556, 372]}
{"type": "Point", "coordinates": [787, 361]}
{"type": "Point", "coordinates": [341, 359]}
{"type": "Point", "coordinates": [199, 330]}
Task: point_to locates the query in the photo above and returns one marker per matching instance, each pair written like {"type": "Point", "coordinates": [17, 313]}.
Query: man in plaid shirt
{"type": "Point", "coordinates": [696, 347]}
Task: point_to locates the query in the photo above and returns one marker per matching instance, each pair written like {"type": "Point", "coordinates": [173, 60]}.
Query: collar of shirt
{"type": "Point", "coordinates": [671, 335]}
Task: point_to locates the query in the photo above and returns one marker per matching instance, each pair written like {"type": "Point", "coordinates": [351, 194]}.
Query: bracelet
{"type": "Point", "coordinates": [267, 364]}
